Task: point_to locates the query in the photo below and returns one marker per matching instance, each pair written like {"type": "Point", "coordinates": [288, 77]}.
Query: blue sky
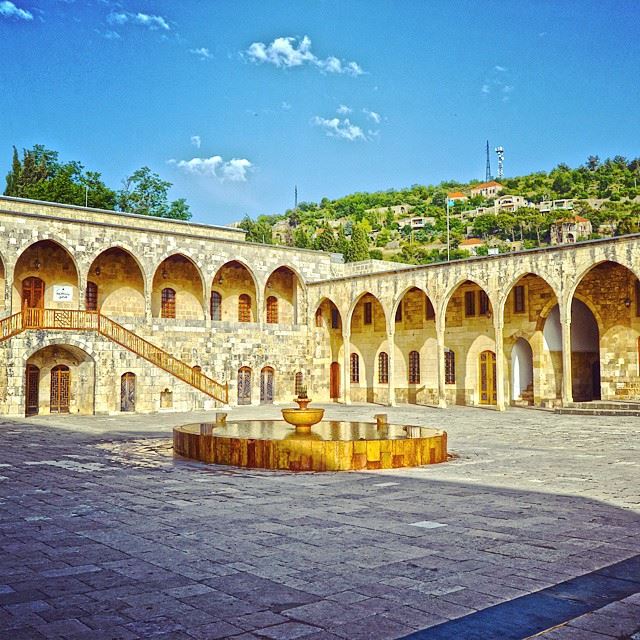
{"type": "Point", "coordinates": [236, 102]}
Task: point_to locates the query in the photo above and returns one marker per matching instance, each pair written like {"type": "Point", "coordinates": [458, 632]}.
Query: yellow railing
{"type": "Point", "coordinates": [72, 319]}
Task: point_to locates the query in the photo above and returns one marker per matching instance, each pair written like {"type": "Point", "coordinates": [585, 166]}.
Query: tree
{"type": "Point", "coordinates": [325, 240]}
{"type": "Point", "coordinates": [593, 162]}
{"type": "Point", "coordinates": [41, 176]}
{"type": "Point", "coordinates": [342, 243]}
{"type": "Point", "coordinates": [484, 225]}
{"type": "Point", "coordinates": [145, 193]}
{"type": "Point", "coordinates": [301, 238]}
{"type": "Point", "coordinates": [259, 231]}
{"type": "Point", "coordinates": [359, 246]}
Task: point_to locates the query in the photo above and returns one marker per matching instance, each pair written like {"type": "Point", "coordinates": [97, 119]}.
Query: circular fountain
{"type": "Point", "coordinates": [306, 442]}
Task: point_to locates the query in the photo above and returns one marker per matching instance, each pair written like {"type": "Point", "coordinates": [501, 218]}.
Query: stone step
{"type": "Point", "coordinates": [597, 412]}
{"type": "Point", "coordinates": [605, 404]}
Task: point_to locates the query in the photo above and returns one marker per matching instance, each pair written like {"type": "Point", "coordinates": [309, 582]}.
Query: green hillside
{"type": "Point", "coordinates": [364, 225]}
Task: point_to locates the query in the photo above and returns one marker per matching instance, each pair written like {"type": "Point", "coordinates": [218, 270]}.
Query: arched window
{"type": "Point", "coordinates": [272, 310]}
{"type": "Point", "coordinates": [91, 297]}
{"type": "Point", "coordinates": [414, 367]}
{"type": "Point", "coordinates": [298, 383]}
{"type": "Point", "coordinates": [383, 368]}
{"type": "Point", "coordinates": [128, 391]}
{"type": "Point", "coordinates": [355, 368]}
{"type": "Point", "coordinates": [244, 308]}
{"type": "Point", "coordinates": [216, 306]}
{"type": "Point", "coordinates": [319, 322]}
{"type": "Point", "coordinates": [449, 367]}
{"type": "Point", "coordinates": [168, 303]}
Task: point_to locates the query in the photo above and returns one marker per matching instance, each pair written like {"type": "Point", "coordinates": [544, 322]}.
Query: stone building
{"type": "Point", "coordinates": [570, 229]}
{"type": "Point", "coordinates": [486, 189]}
{"type": "Point", "coordinates": [106, 312]}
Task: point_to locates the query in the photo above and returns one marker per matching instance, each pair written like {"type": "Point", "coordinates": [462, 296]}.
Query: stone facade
{"type": "Point", "coordinates": [492, 330]}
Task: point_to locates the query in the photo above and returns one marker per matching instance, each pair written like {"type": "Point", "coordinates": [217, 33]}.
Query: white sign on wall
{"type": "Point", "coordinates": [62, 293]}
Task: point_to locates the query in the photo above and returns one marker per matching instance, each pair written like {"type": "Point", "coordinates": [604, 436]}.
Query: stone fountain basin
{"type": "Point", "coordinates": [303, 417]}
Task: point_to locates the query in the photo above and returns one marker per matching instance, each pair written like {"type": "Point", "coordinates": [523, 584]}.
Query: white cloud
{"type": "Point", "coordinates": [372, 115]}
{"type": "Point", "coordinates": [285, 106]}
{"type": "Point", "coordinates": [142, 19]}
{"type": "Point", "coordinates": [496, 83]}
{"type": "Point", "coordinates": [203, 53]}
{"type": "Point", "coordinates": [343, 110]}
{"type": "Point", "coordinates": [111, 35]}
{"type": "Point", "coordinates": [234, 170]}
{"type": "Point", "coordinates": [485, 88]}
{"type": "Point", "coordinates": [9, 10]}
{"type": "Point", "coordinates": [196, 141]}
{"type": "Point", "coordinates": [337, 128]}
{"type": "Point", "coordinates": [286, 52]}
{"type": "Point", "coordinates": [499, 68]}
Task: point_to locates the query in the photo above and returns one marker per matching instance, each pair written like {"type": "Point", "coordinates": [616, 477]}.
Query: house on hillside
{"type": "Point", "coordinates": [471, 245]}
{"type": "Point", "coordinates": [487, 189]}
{"type": "Point", "coordinates": [509, 203]}
{"type": "Point", "coordinates": [456, 196]}
{"type": "Point", "coordinates": [564, 204]}
{"type": "Point", "coordinates": [282, 232]}
{"type": "Point", "coordinates": [569, 230]}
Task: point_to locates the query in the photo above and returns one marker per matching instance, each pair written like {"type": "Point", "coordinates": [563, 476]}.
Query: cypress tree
{"type": "Point", "coordinates": [13, 177]}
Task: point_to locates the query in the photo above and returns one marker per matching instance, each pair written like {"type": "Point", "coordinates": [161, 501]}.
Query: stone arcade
{"type": "Point", "coordinates": [106, 312]}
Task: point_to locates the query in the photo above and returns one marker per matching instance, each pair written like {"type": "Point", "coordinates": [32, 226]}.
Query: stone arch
{"type": "Point", "coordinates": [356, 301]}
{"type": "Point", "coordinates": [54, 240]}
{"type": "Point", "coordinates": [74, 392]}
{"type": "Point", "coordinates": [290, 295]}
{"type": "Point", "coordinates": [502, 301]}
{"type": "Point", "coordinates": [121, 291]}
{"type": "Point", "coordinates": [232, 279]}
{"type": "Point", "coordinates": [450, 292]}
{"type": "Point", "coordinates": [62, 270]}
{"type": "Point", "coordinates": [398, 299]}
{"type": "Point", "coordinates": [176, 271]}
{"type": "Point", "coordinates": [579, 277]}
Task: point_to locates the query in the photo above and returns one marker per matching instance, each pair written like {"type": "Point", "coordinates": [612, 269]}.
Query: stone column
{"type": "Point", "coordinates": [499, 382]}
{"type": "Point", "coordinates": [442, 397]}
{"type": "Point", "coordinates": [346, 368]}
{"type": "Point", "coordinates": [391, 350]}
{"type": "Point", "coordinates": [8, 291]}
{"type": "Point", "coordinates": [148, 292]}
{"type": "Point", "coordinates": [567, 382]}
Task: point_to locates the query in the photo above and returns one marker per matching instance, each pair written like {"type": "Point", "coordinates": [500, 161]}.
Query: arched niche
{"type": "Point", "coordinates": [119, 284]}
{"type": "Point", "coordinates": [327, 349]}
{"type": "Point", "coordinates": [285, 286]}
{"type": "Point", "coordinates": [368, 329]}
{"type": "Point", "coordinates": [522, 372]}
{"type": "Point", "coordinates": [233, 280]}
{"type": "Point", "coordinates": [179, 274]}
{"type": "Point", "coordinates": [50, 262]}
{"type": "Point", "coordinates": [469, 332]}
{"type": "Point", "coordinates": [59, 378]}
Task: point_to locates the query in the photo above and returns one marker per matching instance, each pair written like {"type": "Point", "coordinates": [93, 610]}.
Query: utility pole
{"type": "Point", "coordinates": [448, 236]}
{"type": "Point", "coordinates": [86, 195]}
{"type": "Point", "coordinates": [500, 153]}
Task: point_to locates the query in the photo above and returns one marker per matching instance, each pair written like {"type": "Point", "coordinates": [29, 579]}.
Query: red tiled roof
{"type": "Point", "coordinates": [471, 241]}
{"type": "Point", "coordinates": [575, 218]}
{"type": "Point", "coordinates": [483, 185]}
{"type": "Point", "coordinates": [456, 194]}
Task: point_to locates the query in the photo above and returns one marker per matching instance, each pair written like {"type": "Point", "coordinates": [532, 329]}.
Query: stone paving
{"type": "Point", "coordinates": [104, 535]}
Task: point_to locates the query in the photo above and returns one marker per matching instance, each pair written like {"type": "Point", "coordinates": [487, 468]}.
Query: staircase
{"type": "Point", "coordinates": [601, 408]}
{"type": "Point", "coordinates": [76, 320]}
{"type": "Point", "coordinates": [526, 398]}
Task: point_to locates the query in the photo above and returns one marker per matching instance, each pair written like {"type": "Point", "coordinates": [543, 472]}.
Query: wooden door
{"type": "Point", "coordinates": [488, 378]}
{"type": "Point", "coordinates": [33, 293]}
{"type": "Point", "coordinates": [32, 393]}
{"type": "Point", "coordinates": [244, 385]}
{"type": "Point", "coordinates": [334, 381]}
{"type": "Point", "coordinates": [59, 401]}
{"type": "Point", "coordinates": [128, 392]}
{"type": "Point", "coordinates": [266, 386]}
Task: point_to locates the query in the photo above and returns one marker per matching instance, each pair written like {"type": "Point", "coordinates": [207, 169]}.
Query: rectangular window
{"type": "Point", "coordinates": [355, 368]}
{"type": "Point", "coordinates": [518, 299]}
{"type": "Point", "coordinates": [430, 311]}
{"type": "Point", "coordinates": [470, 303]}
{"type": "Point", "coordinates": [484, 303]}
{"type": "Point", "coordinates": [368, 312]}
{"type": "Point", "coordinates": [335, 322]}
{"type": "Point", "coordinates": [449, 367]}
{"type": "Point", "coordinates": [414, 368]}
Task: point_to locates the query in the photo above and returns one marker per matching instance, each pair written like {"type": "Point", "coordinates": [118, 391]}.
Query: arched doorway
{"type": "Point", "coordinates": [60, 378]}
{"type": "Point", "coordinates": [487, 362]}
{"type": "Point", "coordinates": [244, 385]}
{"type": "Point", "coordinates": [32, 392]}
{"type": "Point", "coordinates": [266, 385]}
{"type": "Point", "coordinates": [585, 353]}
{"type": "Point", "coordinates": [334, 381]}
{"type": "Point", "coordinates": [522, 371]}
{"type": "Point", "coordinates": [128, 391]}
{"type": "Point", "coordinates": [60, 387]}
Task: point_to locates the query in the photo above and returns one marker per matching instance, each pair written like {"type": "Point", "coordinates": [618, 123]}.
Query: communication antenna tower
{"type": "Point", "coordinates": [295, 197]}
{"type": "Point", "coordinates": [500, 152]}
{"type": "Point", "coordinates": [488, 171]}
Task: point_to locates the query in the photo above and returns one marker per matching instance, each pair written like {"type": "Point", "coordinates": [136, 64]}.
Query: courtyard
{"type": "Point", "coordinates": [533, 524]}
